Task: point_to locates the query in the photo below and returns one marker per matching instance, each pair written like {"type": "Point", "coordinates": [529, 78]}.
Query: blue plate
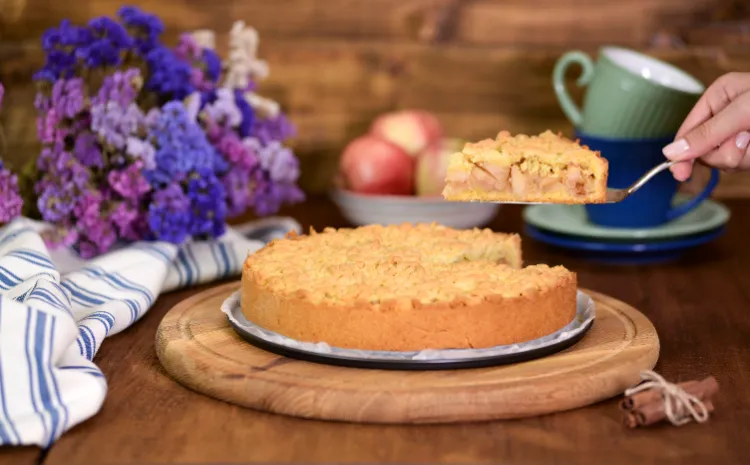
{"type": "Point", "coordinates": [625, 253]}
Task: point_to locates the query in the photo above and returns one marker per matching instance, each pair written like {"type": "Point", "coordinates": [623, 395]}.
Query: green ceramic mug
{"type": "Point", "coordinates": [628, 94]}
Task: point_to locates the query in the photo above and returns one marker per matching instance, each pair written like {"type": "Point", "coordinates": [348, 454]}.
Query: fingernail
{"type": "Point", "coordinates": [675, 149]}
{"type": "Point", "coordinates": [742, 140]}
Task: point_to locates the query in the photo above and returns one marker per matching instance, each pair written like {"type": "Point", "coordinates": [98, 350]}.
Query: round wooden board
{"type": "Point", "coordinates": [198, 348]}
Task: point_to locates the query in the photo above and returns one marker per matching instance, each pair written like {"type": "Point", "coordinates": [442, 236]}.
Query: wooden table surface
{"type": "Point", "coordinates": [700, 306]}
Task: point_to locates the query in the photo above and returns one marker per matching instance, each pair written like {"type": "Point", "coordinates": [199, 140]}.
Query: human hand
{"type": "Point", "coordinates": [716, 132]}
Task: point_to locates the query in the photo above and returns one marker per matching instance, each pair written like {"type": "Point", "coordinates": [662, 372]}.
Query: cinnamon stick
{"type": "Point", "coordinates": [702, 389]}
{"type": "Point", "coordinates": [652, 413]}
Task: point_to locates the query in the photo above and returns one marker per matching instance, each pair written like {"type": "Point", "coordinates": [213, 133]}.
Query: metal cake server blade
{"type": "Point", "coordinates": [613, 195]}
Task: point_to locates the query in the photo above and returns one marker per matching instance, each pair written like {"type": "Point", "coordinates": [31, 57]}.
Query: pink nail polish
{"type": "Point", "coordinates": [742, 140]}
{"type": "Point", "coordinates": [675, 149]}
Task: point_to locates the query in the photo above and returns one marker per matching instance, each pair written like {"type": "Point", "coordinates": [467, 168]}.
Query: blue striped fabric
{"type": "Point", "coordinates": [56, 310]}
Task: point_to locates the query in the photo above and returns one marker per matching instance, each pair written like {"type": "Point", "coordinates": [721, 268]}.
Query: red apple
{"type": "Point", "coordinates": [432, 166]}
{"type": "Point", "coordinates": [370, 165]}
{"type": "Point", "coordinates": [412, 130]}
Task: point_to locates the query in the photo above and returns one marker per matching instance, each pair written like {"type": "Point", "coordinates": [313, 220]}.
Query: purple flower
{"type": "Point", "coordinates": [128, 222]}
{"type": "Point", "coordinates": [212, 65]}
{"type": "Point", "coordinates": [272, 129]}
{"type": "Point", "coordinates": [67, 97]}
{"type": "Point", "coordinates": [223, 110]}
{"type": "Point", "coordinates": [278, 161]}
{"type": "Point", "coordinates": [62, 235]}
{"type": "Point", "coordinates": [238, 190]}
{"type": "Point", "coordinates": [89, 203]}
{"type": "Point", "coordinates": [187, 48]}
{"type": "Point", "coordinates": [237, 152]}
{"type": "Point", "coordinates": [129, 183]}
{"type": "Point", "coordinates": [121, 87]}
{"type": "Point", "coordinates": [268, 197]}
{"type": "Point", "coordinates": [169, 76]}
{"type": "Point", "coordinates": [208, 205]}
{"type": "Point", "coordinates": [10, 198]}
{"type": "Point", "coordinates": [87, 150]}
{"type": "Point", "coordinates": [248, 114]}
{"type": "Point", "coordinates": [145, 28]}
{"type": "Point", "coordinates": [109, 40]}
{"type": "Point", "coordinates": [167, 214]}
{"type": "Point", "coordinates": [114, 124]}
{"type": "Point", "coordinates": [181, 146]}
{"type": "Point", "coordinates": [206, 65]}
{"type": "Point", "coordinates": [143, 151]}
{"type": "Point", "coordinates": [97, 235]}
{"type": "Point", "coordinates": [2, 94]}
{"type": "Point", "coordinates": [48, 127]}
{"type": "Point", "coordinates": [55, 203]}
{"type": "Point", "coordinates": [60, 45]}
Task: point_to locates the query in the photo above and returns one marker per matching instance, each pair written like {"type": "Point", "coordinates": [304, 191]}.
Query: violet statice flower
{"type": "Point", "coordinates": [238, 188]}
{"type": "Point", "coordinates": [248, 114]}
{"type": "Point", "coordinates": [169, 76]}
{"type": "Point", "coordinates": [129, 182]}
{"type": "Point", "coordinates": [278, 128]}
{"type": "Point", "coordinates": [2, 94]}
{"type": "Point", "coordinates": [97, 234]}
{"type": "Point", "coordinates": [167, 214]}
{"type": "Point", "coordinates": [278, 161]}
{"type": "Point", "coordinates": [121, 87]}
{"type": "Point", "coordinates": [205, 64]}
{"type": "Point", "coordinates": [62, 235]}
{"type": "Point", "coordinates": [114, 124]}
{"type": "Point", "coordinates": [67, 97]}
{"type": "Point", "coordinates": [128, 222]}
{"type": "Point", "coordinates": [237, 153]}
{"type": "Point", "coordinates": [144, 27]}
{"type": "Point", "coordinates": [110, 41]}
{"type": "Point", "coordinates": [268, 197]}
{"type": "Point", "coordinates": [87, 151]}
{"type": "Point", "coordinates": [10, 197]}
{"type": "Point", "coordinates": [49, 129]}
{"type": "Point", "coordinates": [187, 49]}
{"type": "Point", "coordinates": [208, 207]}
{"type": "Point", "coordinates": [181, 146]}
{"type": "Point", "coordinates": [224, 110]}
{"type": "Point", "coordinates": [89, 203]}
{"type": "Point", "coordinates": [141, 150]}
{"type": "Point", "coordinates": [56, 203]}
{"type": "Point", "coordinates": [212, 65]}
{"type": "Point", "coordinates": [60, 45]}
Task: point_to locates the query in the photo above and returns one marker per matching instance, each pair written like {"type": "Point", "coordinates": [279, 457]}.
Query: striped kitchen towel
{"type": "Point", "coordinates": [56, 310]}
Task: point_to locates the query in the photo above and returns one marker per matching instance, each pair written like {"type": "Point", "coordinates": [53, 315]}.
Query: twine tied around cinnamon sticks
{"type": "Point", "coordinates": [655, 399]}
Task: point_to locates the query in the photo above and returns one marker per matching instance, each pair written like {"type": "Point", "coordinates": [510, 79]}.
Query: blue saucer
{"type": "Point", "coordinates": [625, 253]}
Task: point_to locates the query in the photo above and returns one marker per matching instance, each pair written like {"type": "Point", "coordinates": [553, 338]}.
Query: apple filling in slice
{"type": "Point", "coordinates": [545, 168]}
{"type": "Point", "coordinates": [529, 181]}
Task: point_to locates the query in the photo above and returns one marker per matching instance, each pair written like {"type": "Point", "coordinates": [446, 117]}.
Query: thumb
{"type": "Point", "coordinates": [710, 134]}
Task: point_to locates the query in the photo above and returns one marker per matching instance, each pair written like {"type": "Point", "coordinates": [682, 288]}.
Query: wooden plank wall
{"type": "Point", "coordinates": [479, 65]}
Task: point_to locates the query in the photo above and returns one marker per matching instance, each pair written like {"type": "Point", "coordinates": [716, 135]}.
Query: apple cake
{"type": "Point", "coordinates": [405, 288]}
{"type": "Point", "coordinates": [547, 168]}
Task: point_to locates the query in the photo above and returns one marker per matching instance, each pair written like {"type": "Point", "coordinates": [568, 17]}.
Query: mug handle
{"type": "Point", "coordinates": [684, 207]}
{"type": "Point", "coordinates": [569, 107]}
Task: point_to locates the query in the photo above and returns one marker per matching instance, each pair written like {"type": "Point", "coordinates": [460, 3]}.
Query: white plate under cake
{"type": "Point", "coordinates": [405, 288]}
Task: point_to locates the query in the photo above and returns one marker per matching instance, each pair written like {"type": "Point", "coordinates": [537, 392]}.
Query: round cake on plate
{"type": "Point", "coordinates": [405, 288]}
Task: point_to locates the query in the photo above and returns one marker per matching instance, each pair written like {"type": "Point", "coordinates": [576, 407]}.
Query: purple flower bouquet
{"type": "Point", "coordinates": [146, 142]}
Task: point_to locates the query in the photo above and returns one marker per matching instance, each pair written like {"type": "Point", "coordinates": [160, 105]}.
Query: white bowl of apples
{"type": "Point", "coordinates": [396, 173]}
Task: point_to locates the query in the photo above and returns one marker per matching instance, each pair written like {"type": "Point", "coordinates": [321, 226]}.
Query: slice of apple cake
{"type": "Point", "coordinates": [547, 168]}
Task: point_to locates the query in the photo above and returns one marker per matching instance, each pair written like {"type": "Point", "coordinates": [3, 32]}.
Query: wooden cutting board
{"type": "Point", "coordinates": [198, 348]}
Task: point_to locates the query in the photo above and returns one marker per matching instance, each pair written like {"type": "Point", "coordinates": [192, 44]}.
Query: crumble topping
{"type": "Point", "coordinates": [406, 264]}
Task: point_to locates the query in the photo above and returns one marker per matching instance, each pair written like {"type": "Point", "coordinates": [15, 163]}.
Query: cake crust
{"type": "Point", "coordinates": [546, 168]}
{"type": "Point", "coordinates": [405, 288]}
